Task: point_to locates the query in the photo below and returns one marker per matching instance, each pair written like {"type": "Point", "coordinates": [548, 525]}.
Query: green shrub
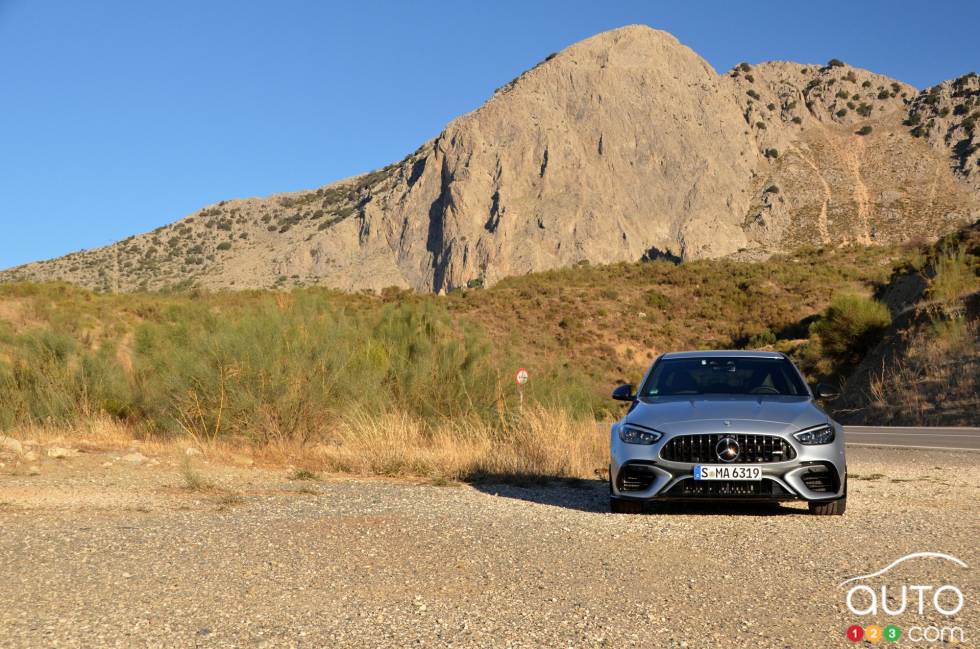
{"type": "Point", "coordinates": [765, 338]}
{"type": "Point", "coordinates": [864, 130]}
{"type": "Point", "coordinates": [753, 94]}
{"type": "Point", "coordinates": [955, 276]}
{"type": "Point", "coordinates": [850, 327]}
{"type": "Point", "coordinates": [224, 245]}
{"type": "Point", "coordinates": [835, 63]}
{"type": "Point", "coordinates": [657, 300]}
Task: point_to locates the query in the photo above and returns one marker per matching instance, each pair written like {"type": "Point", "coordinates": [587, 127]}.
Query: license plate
{"type": "Point", "coordinates": [722, 472]}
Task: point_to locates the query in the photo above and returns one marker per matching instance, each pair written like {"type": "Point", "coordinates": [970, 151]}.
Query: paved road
{"type": "Point", "coordinates": [914, 437]}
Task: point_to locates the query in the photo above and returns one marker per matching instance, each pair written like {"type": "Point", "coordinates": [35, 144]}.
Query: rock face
{"type": "Point", "coordinates": [623, 146]}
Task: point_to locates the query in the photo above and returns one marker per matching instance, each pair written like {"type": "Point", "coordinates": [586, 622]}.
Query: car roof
{"type": "Point", "coordinates": [733, 353]}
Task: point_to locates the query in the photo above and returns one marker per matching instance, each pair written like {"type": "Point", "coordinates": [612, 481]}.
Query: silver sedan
{"type": "Point", "coordinates": [726, 426]}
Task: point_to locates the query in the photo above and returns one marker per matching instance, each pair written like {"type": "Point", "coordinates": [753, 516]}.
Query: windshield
{"type": "Point", "coordinates": [719, 375]}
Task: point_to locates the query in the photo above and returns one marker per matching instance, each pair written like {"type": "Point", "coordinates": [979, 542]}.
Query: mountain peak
{"type": "Point", "coordinates": [626, 145]}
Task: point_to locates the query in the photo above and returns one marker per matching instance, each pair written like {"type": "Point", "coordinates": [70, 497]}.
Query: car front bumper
{"type": "Point", "coordinates": [817, 473]}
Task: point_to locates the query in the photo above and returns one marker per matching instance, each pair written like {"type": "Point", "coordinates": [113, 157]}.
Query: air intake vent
{"type": "Point", "coordinates": [726, 489]}
{"type": "Point", "coordinates": [819, 479]}
{"type": "Point", "coordinates": [635, 477]}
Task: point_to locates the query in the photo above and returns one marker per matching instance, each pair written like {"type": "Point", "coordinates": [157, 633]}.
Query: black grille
{"type": "Point", "coordinates": [752, 448]}
{"type": "Point", "coordinates": [726, 488]}
{"type": "Point", "coordinates": [635, 477]}
{"type": "Point", "coordinates": [819, 479]}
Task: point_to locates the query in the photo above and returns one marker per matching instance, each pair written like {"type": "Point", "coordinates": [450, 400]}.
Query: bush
{"type": "Point", "coordinates": [835, 63]}
{"type": "Point", "coordinates": [760, 125]}
{"type": "Point", "coordinates": [864, 130]}
{"type": "Point", "coordinates": [765, 338]}
{"type": "Point", "coordinates": [771, 153]}
{"type": "Point", "coordinates": [841, 113]}
{"type": "Point", "coordinates": [797, 120]}
{"type": "Point", "coordinates": [744, 67]}
{"type": "Point", "coordinates": [224, 245]}
{"type": "Point", "coordinates": [956, 276]}
{"type": "Point", "coordinates": [883, 94]}
{"type": "Point", "coordinates": [850, 327]}
{"type": "Point", "coordinates": [657, 300]}
{"type": "Point", "coordinates": [753, 94]}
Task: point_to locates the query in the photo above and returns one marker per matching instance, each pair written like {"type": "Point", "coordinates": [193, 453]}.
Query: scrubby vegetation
{"type": "Point", "coordinates": [849, 328]}
{"type": "Point", "coordinates": [392, 383]}
{"type": "Point", "coordinates": [927, 368]}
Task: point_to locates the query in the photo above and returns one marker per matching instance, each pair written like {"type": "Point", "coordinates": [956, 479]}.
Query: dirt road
{"type": "Point", "coordinates": [96, 550]}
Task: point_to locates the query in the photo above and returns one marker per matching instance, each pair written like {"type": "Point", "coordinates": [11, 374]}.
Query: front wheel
{"type": "Point", "coordinates": [833, 508]}
{"type": "Point", "coordinates": [617, 506]}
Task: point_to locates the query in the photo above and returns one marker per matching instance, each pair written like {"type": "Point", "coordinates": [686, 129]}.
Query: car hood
{"type": "Point", "coordinates": [705, 413]}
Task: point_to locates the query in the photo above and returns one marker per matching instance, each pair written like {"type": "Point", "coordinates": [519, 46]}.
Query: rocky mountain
{"type": "Point", "coordinates": [623, 146]}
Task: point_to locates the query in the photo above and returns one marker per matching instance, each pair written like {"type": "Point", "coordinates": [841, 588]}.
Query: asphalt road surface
{"type": "Point", "coordinates": [914, 437]}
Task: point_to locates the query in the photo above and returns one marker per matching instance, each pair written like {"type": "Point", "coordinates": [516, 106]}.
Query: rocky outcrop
{"type": "Point", "coordinates": [623, 146]}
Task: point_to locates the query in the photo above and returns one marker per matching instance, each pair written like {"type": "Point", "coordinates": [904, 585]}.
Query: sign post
{"type": "Point", "coordinates": [521, 378]}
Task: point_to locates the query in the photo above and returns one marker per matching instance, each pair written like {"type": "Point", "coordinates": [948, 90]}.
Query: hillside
{"type": "Point", "coordinates": [266, 364]}
{"type": "Point", "coordinates": [925, 368]}
{"type": "Point", "coordinates": [624, 146]}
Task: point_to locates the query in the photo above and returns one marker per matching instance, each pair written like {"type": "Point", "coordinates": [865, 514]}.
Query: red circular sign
{"type": "Point", "coordinates": [521, 377]}
{"type": "Point", "coordinates": [855, 633]}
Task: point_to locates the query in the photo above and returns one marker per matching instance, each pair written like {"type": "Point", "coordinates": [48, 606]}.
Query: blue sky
{"type": "Point", "coordinates": [120, 116]}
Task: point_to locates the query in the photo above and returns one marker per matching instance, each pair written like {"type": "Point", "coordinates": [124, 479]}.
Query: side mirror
{"type": "Point", "coordinates": [624, 393]}
{"type": "Point", "coordinates": [825, 391]}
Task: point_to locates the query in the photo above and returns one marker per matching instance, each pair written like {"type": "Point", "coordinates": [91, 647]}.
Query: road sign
{"type": "Point", "coordinates": [521, 377]}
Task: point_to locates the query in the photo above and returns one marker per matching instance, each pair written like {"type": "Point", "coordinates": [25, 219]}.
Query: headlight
{"type": "Point", "coordinates": [632, 434]}
{"type": "Point", "coordinates": [823, 434]}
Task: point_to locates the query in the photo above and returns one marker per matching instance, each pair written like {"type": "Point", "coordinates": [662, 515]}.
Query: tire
{"type": "Point", "coordinates": [832, 508]}
{"type": "Point", "coordinates": [617, 506]}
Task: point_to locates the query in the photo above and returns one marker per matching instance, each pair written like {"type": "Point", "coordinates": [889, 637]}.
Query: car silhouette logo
{"type": "Point", "coordinates": [727, 449]}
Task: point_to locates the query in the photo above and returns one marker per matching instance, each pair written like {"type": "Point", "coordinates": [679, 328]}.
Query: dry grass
{"type": "Point", "coordinates": [936, 382]}
{"type": "Point", "coordinates": [540, 443]}
{"type": "Point", "coordinates": [193, 479]}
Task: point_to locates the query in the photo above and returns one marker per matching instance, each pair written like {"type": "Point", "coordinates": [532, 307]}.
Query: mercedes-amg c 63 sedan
{"type": "Point", "coordinates": [726, 425]}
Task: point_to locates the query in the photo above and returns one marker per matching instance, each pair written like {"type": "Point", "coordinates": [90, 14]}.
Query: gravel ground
{"type": "Point", "coordinates": [99, 551]}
